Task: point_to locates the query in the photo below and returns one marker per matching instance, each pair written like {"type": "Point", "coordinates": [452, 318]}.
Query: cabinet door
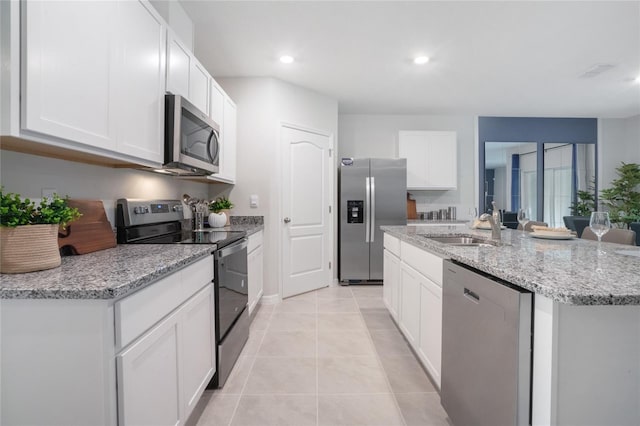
{"type": "Point", "coordinates": [198, 346]}
{"type": "Point", "coordinates": [430, 347]}
{"type": "Point", "coordinates": [412, 146]}
{"type": "Point", "coordinates": [228, 160]}
{"type": "Point", "coordinates": [431, 158]}
{"type": "Point", "coordinates": [178, 67]}
{"type": "Point", "coordinates": [256, 270]}
{"type": "Point", "coordinates": [216, 102]}
{"type": "Point", "coordinates": [441, 158]}
{"type": "Point", "coordinates": [148, 378]}
{"type": "Point", "coordinates": [69, 79]}
{"type": "Point", "coordinates": [199, 86]}
{"type": "Point", "coordinates": [410, 304]}
{"type": "Point", "coordinates": [390, 287]}
{"type": "Point", "coordinates": [141, 74]}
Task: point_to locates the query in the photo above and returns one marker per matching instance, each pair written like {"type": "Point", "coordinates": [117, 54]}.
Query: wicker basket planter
{"type": "Point", "coordinates": [28, 248]}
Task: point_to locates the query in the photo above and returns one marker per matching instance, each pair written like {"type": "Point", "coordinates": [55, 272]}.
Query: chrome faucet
{"type": "Point", "coordinates": [494, 220]}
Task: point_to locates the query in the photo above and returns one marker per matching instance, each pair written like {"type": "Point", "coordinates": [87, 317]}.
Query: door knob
{"type": "Point", "coordinates": [287, 220]}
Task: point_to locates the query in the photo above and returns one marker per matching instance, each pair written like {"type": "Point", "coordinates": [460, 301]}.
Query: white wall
{"type": "Point", "coordinates": [618, 140]}
{"type": "Point", "coordinates": [377, 136]}
{"type": "Point", "coordinates": [27, 175]}
{"type": "Point", "coordinates": [263, 103]}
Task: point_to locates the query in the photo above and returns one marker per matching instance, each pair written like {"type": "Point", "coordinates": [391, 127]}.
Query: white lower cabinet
{"type": "Point", "coordinates": [391, 283]}
{"type": "Point", "coordinates": [255, 268]}
{"type": "Point", "coordinates": [430, 348]}
{"type": "Point", "coordinates": [198, 347]}
{"type": "Point", "coordinates": [149, 378]}
{"type": "Point", "coordinates": [410, 304]}
{"type": "Point", "coordinates": [413, 295]}
{"type": "Point", "coordinates": [162, 375]}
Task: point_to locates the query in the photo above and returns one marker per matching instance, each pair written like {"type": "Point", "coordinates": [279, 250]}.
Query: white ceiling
{"type": "Point", "coordinates": [487, 58]}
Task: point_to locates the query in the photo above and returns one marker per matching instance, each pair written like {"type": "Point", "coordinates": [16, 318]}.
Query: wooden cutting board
{"type": "Point", "coordinates": [92, 232]}
{"type": "Point", "coordinates": [411, 208]}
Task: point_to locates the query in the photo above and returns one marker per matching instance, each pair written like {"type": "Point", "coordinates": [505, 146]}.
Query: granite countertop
{"type": "Point", "coordinates": [435, 222]}
{"type": "Point", "coordinates": [249, 228]}
{"type": "Point", "coordinates": [567, 271]}
{"type": "Point", "coordinates": [111, 273]}
{"type": "Point", "coordinates": [105, 274]}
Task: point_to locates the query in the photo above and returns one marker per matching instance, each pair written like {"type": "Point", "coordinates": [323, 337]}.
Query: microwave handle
{"type": "Point", "coordinates": [213, 138]}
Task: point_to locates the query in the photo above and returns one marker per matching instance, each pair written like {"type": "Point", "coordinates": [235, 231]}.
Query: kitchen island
{"type": "Point", "coordinates": [586, 360]}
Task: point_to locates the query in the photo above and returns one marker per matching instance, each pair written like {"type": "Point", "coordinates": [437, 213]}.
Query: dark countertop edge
{"type": "Point", "coordinates": [112, 293]}
{"type": "Point", "coordinates": [557, 296]}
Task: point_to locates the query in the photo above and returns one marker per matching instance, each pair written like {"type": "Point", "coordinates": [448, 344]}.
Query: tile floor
{"type": "Point", "coordinates": [326, 358]}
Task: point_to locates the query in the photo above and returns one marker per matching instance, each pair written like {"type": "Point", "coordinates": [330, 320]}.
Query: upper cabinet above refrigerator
{"type": "Point", "coordinates": [431, 159]}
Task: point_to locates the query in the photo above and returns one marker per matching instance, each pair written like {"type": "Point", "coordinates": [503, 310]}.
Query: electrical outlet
{"type": "Point", "coordinates": [48, 193]}
{"type": "Point", "coordinates": [253, 201]}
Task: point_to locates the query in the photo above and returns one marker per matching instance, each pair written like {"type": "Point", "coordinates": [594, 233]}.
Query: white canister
{"type": "Point", "coordinates": [217, 220]}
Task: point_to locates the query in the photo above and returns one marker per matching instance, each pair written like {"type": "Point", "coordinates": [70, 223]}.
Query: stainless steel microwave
{"type": "Point", "coordinates": [191, 139]}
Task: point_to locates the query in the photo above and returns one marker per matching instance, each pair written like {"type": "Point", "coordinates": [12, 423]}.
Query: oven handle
{"type": "Point", "coordinates": [231, 249]}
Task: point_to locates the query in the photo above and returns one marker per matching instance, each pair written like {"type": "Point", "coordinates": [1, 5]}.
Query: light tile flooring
{"type": "Point", "coordinates": [330, 357]}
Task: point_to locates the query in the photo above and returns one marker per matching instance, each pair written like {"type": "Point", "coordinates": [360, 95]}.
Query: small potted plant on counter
{"type": "Point", "coordinates": [221, 205]}
{"type": "Point", "coordinates": [29, 233]}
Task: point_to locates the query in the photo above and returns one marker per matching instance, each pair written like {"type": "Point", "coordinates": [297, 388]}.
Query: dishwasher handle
{"type": "Point", "coordinates": [231, 249]}
{"type": "Point", "coordinates": [470, 295]}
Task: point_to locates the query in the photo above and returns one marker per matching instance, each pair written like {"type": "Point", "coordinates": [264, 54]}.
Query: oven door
{"type": "Point", "coordinates": [231, 285]}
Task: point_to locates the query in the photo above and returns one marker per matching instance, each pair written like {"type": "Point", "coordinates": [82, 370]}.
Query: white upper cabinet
{"type": "Point", "coordinates": [431, 159]}
{"type": "Point", "coordinates": [199, 86]}
{"type": "Point", "coordinates": [141, 81]}
{"type": "Point", "coordinates": [94, 74]}
{"type": "Point", "coordinates": [228, 150]}
{"type": "Point", "coordinates": [185, 75]}
{"type": "Point", "coordinates": [178, 66]}
{"type": "Point", "coordinates": [216, 102]}
{"type": "Point", "coordinates": [69, 73]}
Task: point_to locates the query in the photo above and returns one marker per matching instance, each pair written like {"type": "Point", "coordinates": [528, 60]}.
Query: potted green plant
{"type": "Point", "coordinates": [584, 205]}
{"type": "Point", "coordinates": [29, 232]}
{"type": "Point", "coordinates": [623, 198]}
{"type": "Point", "coordinates": [221, 205]}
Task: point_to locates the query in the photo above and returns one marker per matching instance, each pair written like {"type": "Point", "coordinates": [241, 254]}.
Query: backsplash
{"type": "Point", "coordinates": [247, 220]}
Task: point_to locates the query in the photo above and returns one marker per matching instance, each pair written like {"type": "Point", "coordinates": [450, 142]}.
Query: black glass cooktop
{"type": "Point", "coordinates": [210, 236]}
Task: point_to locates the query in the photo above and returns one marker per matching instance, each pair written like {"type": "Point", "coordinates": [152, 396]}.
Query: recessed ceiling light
{"type": "Point", "coordinates": [286, 59]}
{"type": "Point", "coordinates": [421, 60]}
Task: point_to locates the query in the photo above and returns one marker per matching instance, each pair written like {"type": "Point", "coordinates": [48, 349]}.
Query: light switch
{"type": "Point", "coordinates": [253, 201]}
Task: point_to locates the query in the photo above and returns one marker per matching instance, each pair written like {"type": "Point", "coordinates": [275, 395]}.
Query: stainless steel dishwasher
{"type": "Point", "coordinates": [486, 349]}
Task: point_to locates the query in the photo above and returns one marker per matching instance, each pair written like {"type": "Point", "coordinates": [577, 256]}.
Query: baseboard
{"type": "Point", "coordinates": [271, 299]}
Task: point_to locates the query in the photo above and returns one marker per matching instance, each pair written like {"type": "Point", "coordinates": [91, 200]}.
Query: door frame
{"type": "Point", "coordinates": [332, 222]}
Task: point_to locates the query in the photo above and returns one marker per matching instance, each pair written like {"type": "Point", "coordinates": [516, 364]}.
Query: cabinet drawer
{"type": "Point", "coordinates": [139, 312]}
{"type": "Point", "coordinates": [426, 263]}
{"type": "Point", "coordinates": [392, 244]}
{"type": "Point", "coordinates": [255, 241]}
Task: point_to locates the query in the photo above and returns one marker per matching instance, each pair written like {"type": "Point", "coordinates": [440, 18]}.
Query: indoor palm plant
{"type": "Point", "coordinates": [29, 232]}
{"type": "Point", "coordinates": [623, 198]}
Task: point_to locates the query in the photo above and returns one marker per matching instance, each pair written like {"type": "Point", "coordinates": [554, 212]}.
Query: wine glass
{"type": "Point", "coordinates": [600, 224]}
{"type": "Point", "coordinates": [523, 218]}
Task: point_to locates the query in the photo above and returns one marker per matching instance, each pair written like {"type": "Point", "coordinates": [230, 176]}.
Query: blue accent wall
{"type": "Point", "coordinates": [538, 130]}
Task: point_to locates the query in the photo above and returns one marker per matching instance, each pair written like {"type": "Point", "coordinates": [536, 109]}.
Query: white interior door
{"type": "Point", "coordinates": [306, 230]}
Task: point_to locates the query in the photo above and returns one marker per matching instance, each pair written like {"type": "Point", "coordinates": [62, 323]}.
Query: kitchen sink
{"type": "Point", "coordinates": [464, 241]}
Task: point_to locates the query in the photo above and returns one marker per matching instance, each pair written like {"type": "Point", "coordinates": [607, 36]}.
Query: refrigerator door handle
{"type": "Point", "coordinates": [367, 211]}
{"type": "Point", "coordinates": [372, 212]}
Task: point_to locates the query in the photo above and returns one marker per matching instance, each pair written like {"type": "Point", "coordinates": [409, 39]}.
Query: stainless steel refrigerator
{"type": "Point", "coordinates": [373, 192]}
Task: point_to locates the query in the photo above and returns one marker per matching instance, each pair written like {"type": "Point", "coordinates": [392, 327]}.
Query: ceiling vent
{"type": "Point", "coordinates": [596, 69]}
